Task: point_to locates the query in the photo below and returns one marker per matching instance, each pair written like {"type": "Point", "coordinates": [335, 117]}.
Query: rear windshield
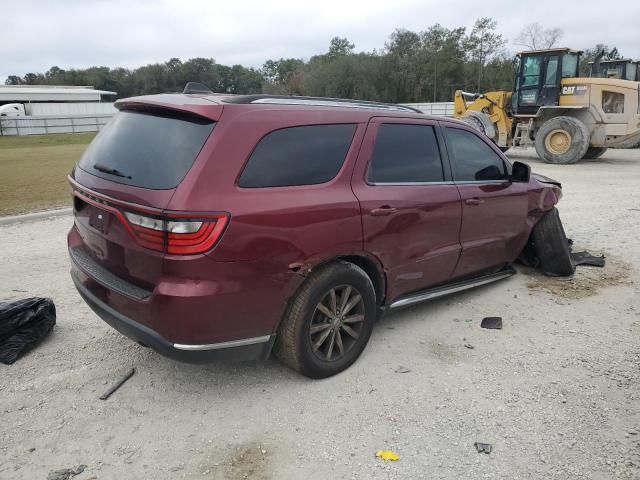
{"type": "Point", "coordinates": [146, 150]}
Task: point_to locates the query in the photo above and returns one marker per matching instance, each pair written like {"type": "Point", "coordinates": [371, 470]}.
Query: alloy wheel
{"type": "Point", "coordinates": [337, 323]}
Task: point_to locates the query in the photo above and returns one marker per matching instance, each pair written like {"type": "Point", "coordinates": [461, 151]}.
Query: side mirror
{"type": "Point", "coordinates": [520, 172]}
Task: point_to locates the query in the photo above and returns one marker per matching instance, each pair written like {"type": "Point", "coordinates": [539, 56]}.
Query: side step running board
{"type": "Point", "coordinates": [452, 288]}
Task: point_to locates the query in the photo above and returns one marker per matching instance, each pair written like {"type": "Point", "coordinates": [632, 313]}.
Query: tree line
{"type": "Point", "coordinates": [412, 66]}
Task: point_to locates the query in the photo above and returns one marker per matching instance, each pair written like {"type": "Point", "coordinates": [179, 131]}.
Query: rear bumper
{"type": "Point", "coordinates": [246, 349]}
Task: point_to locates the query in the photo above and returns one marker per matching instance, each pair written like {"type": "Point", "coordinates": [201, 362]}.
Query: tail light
{"type": "Point", "coordinates": [177, 233]}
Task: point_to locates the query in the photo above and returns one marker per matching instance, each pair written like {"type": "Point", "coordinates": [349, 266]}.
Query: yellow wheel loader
{"type": "Point", "coordinates": [565, 117]}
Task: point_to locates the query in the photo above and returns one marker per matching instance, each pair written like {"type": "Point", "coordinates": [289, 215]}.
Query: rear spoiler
{"type": "Point", "coordinates": [174, 102]}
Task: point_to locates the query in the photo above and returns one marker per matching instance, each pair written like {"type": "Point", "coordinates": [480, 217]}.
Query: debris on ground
{"type": "Point", "coordinates": [118, 384]}
{"type": "Point", "coordinates": [494, 323]}
{"type": "Point", "coordinates": [387, 455]}
{"type": "Point", "coordinates": [585, 258]}
{"type": "Point", "coordinates": [483, 447]}
{"type": "Point", "coordinates": [66, 473]}
{"type": "Point", "coordinates": [402, 369]}
{"type": "Point", "coordinates": [23, 324]}
{"type": "Point", "coordinates": [469, 346]}
{"type": "Point", "coordinates": [530, 258]}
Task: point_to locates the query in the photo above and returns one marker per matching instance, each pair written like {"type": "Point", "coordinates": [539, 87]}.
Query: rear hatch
{"type": "Point", "coordinates": [125, 180]}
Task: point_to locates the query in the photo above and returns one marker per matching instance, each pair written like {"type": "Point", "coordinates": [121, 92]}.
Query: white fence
{"type": "Point", "coordinates": [57, 109]}
{"type": "Point", "coordinates": [439, 109]}
{"type": "Point", "coordinates": [45, 124]}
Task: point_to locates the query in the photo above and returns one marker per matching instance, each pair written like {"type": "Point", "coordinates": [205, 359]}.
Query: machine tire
{"type": "Point", "coordinates": [551, 245]}
{"type": "Point", "coordinates": [294, 345]}
{"type": "Point", "coordinates": [562, 140]}
{"type": "Point", "coordinates": [594, 152]}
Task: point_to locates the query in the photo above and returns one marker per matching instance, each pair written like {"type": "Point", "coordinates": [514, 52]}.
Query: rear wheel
{"type": "Point", "coordinates": [328, 323]}
{"type": "Point", "coordinates": [551, 245]}
{"type": "Point", "coordinates": [562, 140]}
{"type": "Point", "coordinates": [594, 152]}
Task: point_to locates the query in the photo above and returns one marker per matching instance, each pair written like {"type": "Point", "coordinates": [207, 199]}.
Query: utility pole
{"type": "Point", "coordinates": [480, 62]}
{"type": "Point", "coordinates": [435, 77]}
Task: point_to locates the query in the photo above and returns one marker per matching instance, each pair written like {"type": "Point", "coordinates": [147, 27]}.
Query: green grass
{"type": "Point", "coordinates": [34, 169]}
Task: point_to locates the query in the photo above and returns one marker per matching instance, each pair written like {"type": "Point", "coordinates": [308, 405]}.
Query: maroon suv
{"type": "Point", "coordinates": [220, 226]}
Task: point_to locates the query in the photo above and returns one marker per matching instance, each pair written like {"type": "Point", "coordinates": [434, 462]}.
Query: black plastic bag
{"type": "Point", "coordinates": [22, 324]}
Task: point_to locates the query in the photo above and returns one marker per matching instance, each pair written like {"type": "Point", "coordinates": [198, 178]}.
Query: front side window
{"type": "Point", "coordinates": [531, 71]}
{"type": "Point", "coordinates": [474, 160]}
{"type": "Point", "coordinates": [405, 154]}
{"type": "Point", "coordinates": [306, 155]}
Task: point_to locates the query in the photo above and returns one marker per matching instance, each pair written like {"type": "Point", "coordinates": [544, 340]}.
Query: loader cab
{"type": "Point", "coordinates": [624, 69]}
{"type": "Point", "coordinates": [538, 77]}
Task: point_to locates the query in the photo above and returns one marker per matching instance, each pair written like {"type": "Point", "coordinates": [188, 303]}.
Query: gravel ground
{"type": "Point", "coordinates": [556, 392]}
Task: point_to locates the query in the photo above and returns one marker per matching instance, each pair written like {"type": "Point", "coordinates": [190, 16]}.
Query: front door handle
{"type": "Point", "coordinates": [382, 211]}
{"type": "Point", "coordinates": [474, 201]}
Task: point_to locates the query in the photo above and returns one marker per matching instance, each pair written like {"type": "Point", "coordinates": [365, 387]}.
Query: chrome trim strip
{"type": "Point", "coordinates": [505, 182]}
{"type": "Point", "coordinates": [407, 184]}
{"type": "Point", "coordinates": [218, 346]}
{"type": "Point", "coordinates": [428, 295]}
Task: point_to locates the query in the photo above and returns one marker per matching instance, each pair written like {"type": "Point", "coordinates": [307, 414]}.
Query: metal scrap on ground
{"type": "Point", "coordinates": [483, 447]}
{"type": "Point", "coordinates": [118, 384]}
{"type": "Point", "coordinates": [66, 473]}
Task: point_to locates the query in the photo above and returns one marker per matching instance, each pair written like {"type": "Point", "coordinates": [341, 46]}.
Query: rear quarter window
{"type": "Point", "coordinates": [149, 150]}
{"type": "Point", "coordinates": [304, 155]}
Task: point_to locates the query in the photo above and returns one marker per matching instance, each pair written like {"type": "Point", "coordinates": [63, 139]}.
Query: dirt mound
{"type": "Point", "coordinates": [585, 282]}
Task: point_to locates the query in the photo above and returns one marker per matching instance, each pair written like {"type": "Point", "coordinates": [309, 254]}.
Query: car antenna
{"type": "Point", "coordinates": [195, 87]}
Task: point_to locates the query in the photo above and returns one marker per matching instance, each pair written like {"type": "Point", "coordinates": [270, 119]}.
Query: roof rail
{"type": "Point", "coordinates": [316, 101]}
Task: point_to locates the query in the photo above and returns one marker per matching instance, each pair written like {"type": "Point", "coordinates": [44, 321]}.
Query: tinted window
{"type": "Point", "coordinates": [146, 150]}
{"type": "Point", "coordinates": [405, 153]}
{"type": "Point", "coordinates": [298, 156]}
{"type": "Point", "coordinates": [474, 160]}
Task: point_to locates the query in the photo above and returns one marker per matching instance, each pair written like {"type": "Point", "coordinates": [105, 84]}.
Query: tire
{"type": "Point", "coordinates": [594, 152]}
{"type": "Point", "coordinates": [551, 245]}
{"type": "Point", "coordinates": [562, 140]}
{"type": "Point", "coordinates": [295, 341]}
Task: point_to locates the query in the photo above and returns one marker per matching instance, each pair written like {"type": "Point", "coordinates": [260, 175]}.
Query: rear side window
{"type": "Point", "coordinates": [146, 150]}
{"type": "Point", "coordinates": [474, 160]}
{"type": "Point", "coordinates": [405, 153]}
{"type": "Point", "coordinates": [298, 156]}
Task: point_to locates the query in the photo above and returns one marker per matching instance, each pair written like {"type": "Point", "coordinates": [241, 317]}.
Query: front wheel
{"type": "Point", "coordinates": [328, 322]}
{"type": "Point", "coordinates": [562, 140]}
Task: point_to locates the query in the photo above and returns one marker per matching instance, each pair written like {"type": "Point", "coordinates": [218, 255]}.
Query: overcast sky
{"type": "Point", "coordinates": [35, 35]}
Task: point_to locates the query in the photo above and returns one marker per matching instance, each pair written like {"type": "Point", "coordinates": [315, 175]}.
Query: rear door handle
{"type": "Point", "coordinates": [474, 201]}
{"type": "Point", "coordinates": [382, 211]}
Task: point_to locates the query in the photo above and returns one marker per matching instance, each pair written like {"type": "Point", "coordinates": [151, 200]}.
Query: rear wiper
{"type": "Point", "coordinates": [109, 170]}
